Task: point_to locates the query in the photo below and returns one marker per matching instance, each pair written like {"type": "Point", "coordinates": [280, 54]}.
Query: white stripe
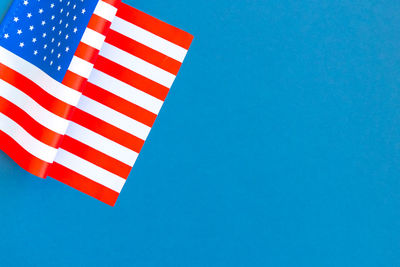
{"type": "Point", "coordinates": [102, 144]}
{"type": "Point", "coordinates": [39, 77]}
{"type": "Point", "coordinates": [80, 67]}
{"type": "Point", "coordinates": [27, 141]}
{"type": "Point", "coordinates": [36, 111]}
{"type": "Point", "coordinates": [90, 170]}
{"type": "Point", "coordinates": [114, 118]}
{"type": "Point", "coordinates": [125, 91]}
{"type": "Point", "coordinates": [93, 38]}
{"type": "Point", "coordinates": [105, 11]}
{"type": "Point", "coordinates": [137, 65]}
{"type": "Point", "coordinates": [149, 39]}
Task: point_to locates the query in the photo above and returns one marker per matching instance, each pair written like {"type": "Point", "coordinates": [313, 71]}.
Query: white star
{"type": "Point", "coordinates": [74, 18]}
{"type": "Point", "coordinates": [41, 10]}
{"type": "Point", "coordinates": [31, 28]}
{"type": "Point", "coordinates": [52, 40]}
{"type": "Point", "coordinates": [16, 19]}
{"type": "Point", "coordinates": [59, 33]}
{"type": "Point", "coordinates": [59, 55]}
{"type": "Point", "coordinates": [60, 21]}
{"type": "Point", "coordinates": [75, 30]}
{"type": "Point", "coordinates": [59, 68]}
{"type": "Point", "coordinates": [53, 17]}
{"type": "Point", "coordinates": [44, 35]}
{"type": "Point", "coordinates": [52, 5]}
{"type": "Point", "coordinates": [6, 36]}
{"type": "Point", "coordinates": [66, 25]}
{"type": "Point", "coordinates": [74, 7]}
{"type": "Point", "coordinates": [67, 49]}
{"type": "Point", "coordinates": [59, 43]}
{"type": "Point", "coordinates": [21, 44]}
{"type": "Point", "coordinates": [35, 52]}
{"type": "Point", "coordinates": [51, 63]}
{"type": "Point", "coordinates": [29, 15]}
{"type": "Point", "coordinates": [19, 32]}
{"type": "Point", "coordinates": [66, 37]}
{"type": "Point", "coordinates": [69, 2]}
{"type": "Point", "coordinates": [44, 59]}
{"type": "Point", "coordinates": [83, 11]}
{"type": "Point", "coordinates": [67, 14]}
{"type": "Point", "coordinates": [53, 29]}
{"type": "Point", "coordinates": [43, 22]}
{"type": "Point", "coordinates": [34, 40]}
{"type": "Point", "coordinates": [61, 10]}
{"type": "Point", "coordinates": [45, 46]}
{"type": "Point", "coordinates": [26, 3]}
{"type": "Point", "coordinates": [52, 51]}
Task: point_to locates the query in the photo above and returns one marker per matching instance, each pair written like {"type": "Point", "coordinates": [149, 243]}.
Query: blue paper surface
{"type": "Point", "coordinates": [277, 146]}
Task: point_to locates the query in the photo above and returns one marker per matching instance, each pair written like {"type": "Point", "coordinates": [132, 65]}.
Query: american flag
{"type": "Point", "coordinates": [81, 84]}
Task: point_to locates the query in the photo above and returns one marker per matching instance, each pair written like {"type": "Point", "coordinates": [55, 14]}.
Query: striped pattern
{"type": "Point", "coordinates": [90, 45]}
{"type": "Point", "coordinates": [35, 108]}
{"type": "Point", "coordinates": [126, 88]}
{"type": "Point", "coordinates": [88, 130]}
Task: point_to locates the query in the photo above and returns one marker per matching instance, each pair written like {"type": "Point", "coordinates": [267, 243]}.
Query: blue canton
{"type": "Point", "coordinates": [46, 33]}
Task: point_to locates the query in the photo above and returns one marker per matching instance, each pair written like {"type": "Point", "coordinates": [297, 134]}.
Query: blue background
{"type": "Point", "coordinates": [279, 145]}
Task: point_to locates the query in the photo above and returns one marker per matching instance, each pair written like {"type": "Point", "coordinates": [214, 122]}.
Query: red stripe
{"type": "Point", "coordinates": [132, 78]}
{"type": "Point", "coordinates": [30, 125]}
{"type": "Point", "coordinates": [141, 51]}
{"type": "Point", "coordinates": [22, 157]}
{"type": "Point", "coordinates": [113, 2]}
{"type": "Point", "coordinates": [119, 104]}
{"type": "Point", "coordinates": [99, 24]}
{"type": "Point", "coordinates": [155, 26]}
{"type": "Point", "coordinates": [96, 157]}
{"type": "Point", "coordinates": [107, 130]}
{"type": "Point", "coordinates": [74, 81]}
{"type": "Point", "coordinates": [86, 52]}
{"type": "Point", "coordinates": [83, 184]}
{"type": "Point", "coordinates": [35, 92]}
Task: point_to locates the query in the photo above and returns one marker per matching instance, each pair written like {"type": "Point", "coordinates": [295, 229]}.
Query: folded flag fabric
{"type": "Point", "coordinates": [81, 84]}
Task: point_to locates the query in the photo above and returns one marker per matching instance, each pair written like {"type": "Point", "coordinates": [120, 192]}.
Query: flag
{"type": "Point", "coordinates": [81, 84]}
